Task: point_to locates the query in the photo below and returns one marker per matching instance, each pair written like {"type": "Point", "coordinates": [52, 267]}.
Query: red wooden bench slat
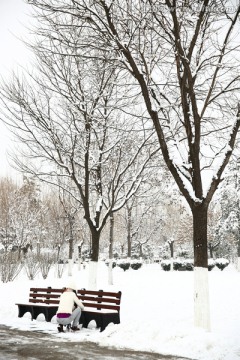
{"type": "Point", "coordinates": [104, 293]}
{"type": "Point", "coordinates": [102, 306]}
{"type": "Point", "coordinates": [99, 299]}
{"type": "Point", "coordinates": [44, 301]}
{"type": "Point", "coordinates": [45, 290]}
{"type": "Point", "coordinates": [35, 295]}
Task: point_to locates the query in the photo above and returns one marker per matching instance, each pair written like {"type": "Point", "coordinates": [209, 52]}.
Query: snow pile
{"type": "Point", "coordinates": [156, 311]}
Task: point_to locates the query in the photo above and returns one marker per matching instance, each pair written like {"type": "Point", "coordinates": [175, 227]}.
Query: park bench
{"type": "Point", "coordinates": [101, 306]}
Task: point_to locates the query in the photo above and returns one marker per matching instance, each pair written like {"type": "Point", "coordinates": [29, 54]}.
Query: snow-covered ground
{"type": "Point", "coordinates": [156, 311]}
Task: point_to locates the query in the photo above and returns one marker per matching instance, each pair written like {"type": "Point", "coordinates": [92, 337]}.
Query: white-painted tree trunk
{"type": "Point", "coordinates": [201, 299]}
{"type": "Point", "coordinates": [238, 264]}
{"type": "Point", "coordinates": [110, 272]}
{"type": "Point", "coordinates": [92, 275]}
{"type": "Point", "coordinates": [70, 267]}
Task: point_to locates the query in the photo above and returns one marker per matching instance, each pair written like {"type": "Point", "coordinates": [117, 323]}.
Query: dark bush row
{"type": "Point", "coordinates": [187, 265]}
{"type": "Point", "coordinates": [126, 264]}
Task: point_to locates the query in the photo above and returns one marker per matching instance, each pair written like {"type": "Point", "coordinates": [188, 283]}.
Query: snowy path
{"type": "Point", "coordinates": [26, 345]}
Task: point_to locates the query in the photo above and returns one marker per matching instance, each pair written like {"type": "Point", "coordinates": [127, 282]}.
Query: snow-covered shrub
{"type": "Point", "coordinates": [221, 263]}
{"type": "Point", "coordinates": [46, 261]}
{"type": "Point", "coordinates": [31, 265]}
{"type": "Point", "coordinates": [183, 253]}
{"type": "Point", "coordinates": [183, 264]}
{"type": "Point", "coordinates": [123, 264]}
{"type": "Point", "coordinates": [136, 264]}
{"type": "Point", "coordinates": [113, 263]}
{"type": "Point", "coordinates": [188, 264]}
{"type": "Point", "coordinates": [10, 266]}
{"type": "Point", "coordinates": [166, 265]}
{"type": "Point", "coordinates": [211, 264]}
{"type": "Point", "coordinates": [178, 265]}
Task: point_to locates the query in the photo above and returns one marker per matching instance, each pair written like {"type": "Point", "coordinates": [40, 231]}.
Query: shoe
{"type": "Point", "coordinates": [60, 328]}
{"type": "Point", "coordinates": [74, 328]}
{"type": "Point", "coordinates": [68, 327]}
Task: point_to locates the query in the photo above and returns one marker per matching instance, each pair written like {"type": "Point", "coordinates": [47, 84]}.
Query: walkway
{"type": "Point", "coordinates": [27, 345]}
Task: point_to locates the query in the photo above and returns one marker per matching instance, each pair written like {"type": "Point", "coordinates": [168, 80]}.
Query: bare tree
{"type": "Point", "coordinates": [69, 113]}
{"type": "Point", "coordinates": [25, 215]}
{"type": "Point", "coordinates": [184, 59]}
{"type": "Point", "coordinates": [7, 233]}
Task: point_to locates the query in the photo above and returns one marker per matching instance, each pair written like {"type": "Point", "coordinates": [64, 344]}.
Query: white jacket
{"type": "Point", "coordinates": [66, 303]}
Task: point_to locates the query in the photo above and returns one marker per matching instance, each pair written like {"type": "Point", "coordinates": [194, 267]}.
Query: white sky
{"type": "Point", "coordinates": [13, 20]}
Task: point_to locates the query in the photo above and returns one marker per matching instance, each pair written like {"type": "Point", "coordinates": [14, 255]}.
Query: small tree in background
{"type": "Point", "coordinates": [10, 266]}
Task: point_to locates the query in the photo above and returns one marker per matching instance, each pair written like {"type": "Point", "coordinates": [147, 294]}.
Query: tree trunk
{"type": "Point", "coordinates": [80, 256]}
{"type": "Point", "coordinates": [110, 251]}
{"type": "Point", "coordinates": [171, 254]}
{"type": "Point", "coordinates": [141, 251]}
{"type": "Point", "coordinates": [95, 245]}
{"type": "Point", "coordinates": [19, 253]}
{"type": "Point", "coordinates": [129, 232]}
{"type": "Point", "coordinates": [38, 248]}
{"type": "Point", "coordinates": [70, 257]}
{"type": "Point", "coordinates": [201, 290]}
{"type": "Point", "coordinates": [92, 275]}
{"type": "Point", "coordinates": [93, 264]}
{"type": "Point", "coordinates": [70, 267]}
{"type": "Point", "coordinates": [201, 298]}
{"type": "Point", "coordinates": [238, 259]}
{"type": "Point", "coordinates": [210, 250]}
{"type": "Point", "coordinates": [171, 249]}
{"type": "Point", "coordinates": [58, 252]}
{"type": "Point", "coordinates": [70, 250]}
{"type": "Point", "coordinates": [200, 236]}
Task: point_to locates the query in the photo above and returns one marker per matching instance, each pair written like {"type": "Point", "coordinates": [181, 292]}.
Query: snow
{"type": "Point", "coordinates": [156, 311]}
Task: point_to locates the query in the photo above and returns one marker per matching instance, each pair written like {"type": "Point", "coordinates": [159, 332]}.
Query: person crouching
{"type": "Point", "coordinates": [67, 313]}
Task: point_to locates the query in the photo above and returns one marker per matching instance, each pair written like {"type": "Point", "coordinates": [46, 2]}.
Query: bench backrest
{"type": "Point", "coordinates": [100, 299]}
{"type": "Point", "coordinates": [45, 295]}
{"type": "Point", "coordinates": [90, 299]}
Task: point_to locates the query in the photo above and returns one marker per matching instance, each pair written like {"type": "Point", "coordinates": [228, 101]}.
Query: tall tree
{"type": "Point", "coordinates": [26, 213]}
{"type": "Point", "coordinates": [71, 115]}
{"type": "Point", "coordinates": [184, 59]}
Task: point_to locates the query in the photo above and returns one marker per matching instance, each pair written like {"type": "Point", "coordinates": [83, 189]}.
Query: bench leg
{"type": "Point", "coordinates": [23, 309]}
{"type": "Point", "coordinates": [102, 320]}
{"type": "Point", "coordinates": [49, 313]}
{"type": "Point", "coordinates": [109, 318]}
{"type": "Point", "coordinates": [37, 311]}
{"type": "Point", "coordinates": [87, 317]}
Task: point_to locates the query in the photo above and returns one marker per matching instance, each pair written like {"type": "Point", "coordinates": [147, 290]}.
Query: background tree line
{"type": "Point", "coordinates": [42, 220]}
